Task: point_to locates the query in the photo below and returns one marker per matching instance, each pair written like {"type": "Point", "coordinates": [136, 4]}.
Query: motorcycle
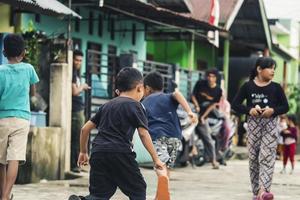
{"type": "Point", "coordinates": [191, 149]}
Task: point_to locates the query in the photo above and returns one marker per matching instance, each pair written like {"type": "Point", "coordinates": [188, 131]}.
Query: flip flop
{"type": "Point", "coordinates": [266, 196]}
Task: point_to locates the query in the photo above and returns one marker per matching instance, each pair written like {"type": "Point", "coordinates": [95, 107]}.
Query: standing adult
{"type": "Point", "coordinates": [78, 118]}
{"type": "Point", "coordinates": [205, 93]}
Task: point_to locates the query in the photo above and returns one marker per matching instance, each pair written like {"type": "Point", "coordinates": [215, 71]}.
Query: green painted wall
{"type": "Point", "coordinates": [284, 40]}
{"type": "Point", "coordinates": [279, 68]}
{"type": "Point", "coordinates": [292, 70]}
{"type": "Point", "coordinates": [205, 52]}
{"type": "Point", "coordinates": [4, 19]}
{"type": "Point", "coordinates": [176, 52]}
{"type": "Point", "coordinates": [179, 52]}
{"type": "Point", "coordinates": [54, 27]}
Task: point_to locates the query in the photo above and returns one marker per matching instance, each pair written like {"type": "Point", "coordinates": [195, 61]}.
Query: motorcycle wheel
{"type": "Point", "coordinates": [199, 160]}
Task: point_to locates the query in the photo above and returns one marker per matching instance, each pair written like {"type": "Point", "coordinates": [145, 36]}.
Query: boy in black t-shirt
{"type": "Point", "coordinates": [113, 161]}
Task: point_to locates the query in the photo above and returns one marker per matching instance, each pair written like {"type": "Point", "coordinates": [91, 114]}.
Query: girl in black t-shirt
{"type": "Point", "coordinates": [265, 100]}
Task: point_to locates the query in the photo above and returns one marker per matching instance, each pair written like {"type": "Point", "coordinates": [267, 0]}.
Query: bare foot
{"type": "Point", "coordinates": [215, 165]}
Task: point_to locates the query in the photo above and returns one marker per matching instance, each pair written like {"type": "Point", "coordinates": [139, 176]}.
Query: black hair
{"type": "Point", "coordinates": [292, 118]}
{"type": "Point", "coordinates": [77, 52]}
{"type": "Point", "coordinates": [263, 63]}
{"type": "Point", "coordinates": [14, 45]}
{"type": "Point", "coordinates": [154, 80]}
{"type": "Point", "coordinates": [213, 71]}
{"type": "Point", "coordinates": [127, 79]}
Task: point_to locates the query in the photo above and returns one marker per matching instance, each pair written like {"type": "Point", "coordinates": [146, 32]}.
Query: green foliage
{"type": "Point", "coordinates": [293, 96]}
{"type": "Point", "coordinates": [32, 39]}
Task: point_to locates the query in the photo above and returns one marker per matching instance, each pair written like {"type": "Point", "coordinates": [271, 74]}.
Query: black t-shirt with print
{"type": "Point", "coordinates": [116, 122]}
{"type": "Point", "coordinates": [202, 90]}
{"type": "Point", "coordinates": [271, 95]}
{"type": "Point", "coordinates": [77, 102]}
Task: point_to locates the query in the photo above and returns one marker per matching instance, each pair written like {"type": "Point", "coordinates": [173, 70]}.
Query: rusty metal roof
{"type": "Point", "coordinates": [175, 5]}
{"type": "Point", "coordinates": [47, 7]}
{"type": "Point", "coordinates": [228, 10]}
{"type": "Point", "coordinates": [163, 15]}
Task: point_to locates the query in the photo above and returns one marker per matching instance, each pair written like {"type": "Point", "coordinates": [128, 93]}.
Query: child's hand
{"type": "Point", "coordinates": [83, 159]}
{"type": "Point", "coordinates": [162, 172]}
{"type": "Point", "coordinates": [158, 164]}
{"type": "Point", "coordinates": [267, 112]}
{"type": "Point", "coordinates": [255, 112]}
{"type": "Point", "coordinates": [193, 117]}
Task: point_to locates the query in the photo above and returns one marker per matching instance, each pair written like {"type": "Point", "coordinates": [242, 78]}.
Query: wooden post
{"type": "Point", "coordinates": [226, 63]}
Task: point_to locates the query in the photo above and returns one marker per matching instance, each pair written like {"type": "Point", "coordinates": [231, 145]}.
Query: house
{"type": "Point", "coordinates": [47, 143]}
{"type": "Point", "coordinates": [111, 35]}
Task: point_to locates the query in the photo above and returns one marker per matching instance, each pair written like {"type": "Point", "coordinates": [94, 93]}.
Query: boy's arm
{"type": "Point", "coordinates": [147, 142]}
{"type": "Point", "coordinates": [33, 98]}
{"type": "Point", "coordinates": [195, 102]}
{"type": "Point", "coordinates": [209, 109]}
{"type": "Point", "coordinates": [194, 94]}
{"type": "Point", "coordinates": [32, 90]}
{"type": "Point", "coordinates": [183, 102]}
{"type": "Point", "coordinates": [85, 132]}
{"type": "Point", "coordinates": [83, 157]}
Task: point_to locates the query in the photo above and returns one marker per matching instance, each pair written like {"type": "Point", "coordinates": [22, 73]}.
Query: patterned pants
{"type": "Point", "coordinates": [262, 143]}
{"type": "Point", "coordinates": [167, 149]}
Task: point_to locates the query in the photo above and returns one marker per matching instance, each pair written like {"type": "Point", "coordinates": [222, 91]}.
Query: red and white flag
{"type": "Point", "coordinates": [214, 12]}
{"type": "Point", "coordinates": [214, 20]}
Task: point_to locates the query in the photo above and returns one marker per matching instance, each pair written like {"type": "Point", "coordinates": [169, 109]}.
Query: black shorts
{"type": "Point", "coordinates": [112, 170]}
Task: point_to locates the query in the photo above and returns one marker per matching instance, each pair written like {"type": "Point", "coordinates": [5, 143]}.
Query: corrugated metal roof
{"type": "Point", "coordinates": [163, 15]}
{"type": "Point", "coordinates": [248, 27]}
{"type": "Point", "coordinates": [175, 5]}
{"type": "Point", "coordinates": [201, 10]}
{"type": "Point", "coordinates": [48, 7]}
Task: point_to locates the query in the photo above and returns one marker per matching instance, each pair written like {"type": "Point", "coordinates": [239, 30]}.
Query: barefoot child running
{"type": "Point", "coordinates": [112, 160]}
{"type": "Point", "coordinates": [17, 80]}
{"type": "Point", "coordinates": [265, 100]}
{"type": "Point", "coordinates": [164, 126]}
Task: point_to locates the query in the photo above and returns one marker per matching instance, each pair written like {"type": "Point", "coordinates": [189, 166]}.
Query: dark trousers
{"type": "Point", "coordinates": [77, 123]}
{"type": "Point", "coordinates": [111, 170]}
{"type": "Point", "coordinates": [204, 132]}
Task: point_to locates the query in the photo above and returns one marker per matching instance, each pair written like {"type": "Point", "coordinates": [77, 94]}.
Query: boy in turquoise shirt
{"type": "Point", "coordinates": [17, 81]}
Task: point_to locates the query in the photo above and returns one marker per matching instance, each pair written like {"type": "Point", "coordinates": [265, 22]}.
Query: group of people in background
{"type": "Point", "coordinates": [142, 105]}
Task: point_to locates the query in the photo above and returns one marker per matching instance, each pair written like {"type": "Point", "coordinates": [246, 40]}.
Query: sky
{"type": "Point", "coordinates": [286, 9]}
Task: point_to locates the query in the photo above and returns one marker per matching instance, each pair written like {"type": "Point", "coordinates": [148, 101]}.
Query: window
{"type": "Point", "coordinates": [91, 23]}
{"type": "Point", "coordinates": [113, 68]}
{"type": "Point", "coordinates": [77, 21]}
{"type": "Point", "coordinates": [100, 25]}
{"type": "Point", "coordinates": [76, 43]}
{"type": "Point", "coordinates": [37, 18]}
{"type": "Point", "coordinates": [133, 39]}
{"type": "Point", "coordinates": [112, 28]}
{"type": "Point", "coordinates": [201, 65]}
{"type": "Point", "coordinates": [12, 18]}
